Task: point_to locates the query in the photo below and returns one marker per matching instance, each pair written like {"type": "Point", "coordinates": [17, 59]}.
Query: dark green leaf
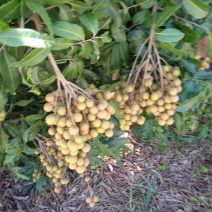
{"type": "Point", "coordinates": [209, 49]}
{"type": "Point", "coordinates": [203, 75]}
{"type": "Point", "coordinates": [196, 8]}
{"type": "Point", "coordinates": [124, 52]}
{"type": "Point", "coordinates": [36, 56]}
{"type": "Point", "coordinates": [62, 43]}
{"type": "Point", "coordinates": [139, 17]}
{"type": "Point", "coordinates": [65, 14]}
{"type": "Point", "coordinates": [145, 4]}
{"type": "Point", "coordinates": [169, 35]}
{"type": "Point", "coordinates": [190, 35]}
{"type": "Point", "coordinates": [116, 61]}
{"type": "Point", "coordinates": [12, 129]}
{"type": "Point", "coordinates": [3, 98]}
{"type": "Point", "coordinates": [68, 30]}
{"type": "Point", "coordinates": [118, 33]}
{"type": "Point", "coordinates": [80, 7]}
{"type": "Point", "coordinates": [3, 143]}
{"type": "Point", "coordinates": [34, 117]}
{"type": "Point", "coordinates": [10, 75]}
{"type": "Point", "coordinates": [36, 6]}
{"type": "Point", "coordinates": [90, 21]}
{"type": "Point", "coordinates": [86, 49]}
{"type": "Point", "coordinates": [54, 2]}
{"type": "Point", "coordinates": [24, 103]}
{"type": "Point", "coordinates": [25, 37]}
{"type": "Point", "coordinates": [171, 48]}
{"type": "Point", "coordinates": [10, 10]}
{"type": "Point", "coordinates": [165, 15]}
{"type": "Point", "coordinates": [116, 107]}
{"type": "Point", "coordinates": [188, 65]}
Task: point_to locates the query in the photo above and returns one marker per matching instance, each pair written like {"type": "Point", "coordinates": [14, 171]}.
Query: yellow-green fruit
{"type": "Point", "coordinates": [118, 98]}
{"type": "Point", "coordinates": [57, 190]}
{"type": "Point", "coordinates": [89, 103]}
{"type": "Point", "coordinates": [99, 96]}
{"type": "Point", "coordinates": [168, 106]}
{"type": "Point", "coordinates": [74, 130]}
{"type": "Point", "coordinates": [143, 103]}
{"type": "Point", "coordinates": [84, 126]}
{"type": "Point", "coordinates": [109, 133]}
{"type": "Point", "coordinates": [107, 95]}
{"type": "Point", "coordinates": [174, 98]}
{"type": "Point", "coordinates": [161, 122]}
{"type": "Point", "coordinates": [105, 124]}
{"type": "Point", "coordinates": [160, 102]}
{"type": "Point", "coordinates": [130, 88]}
{"type": "Point", "coordinates": [101, 106]}
{"type": "Point", "coordinates": [64, 181]}
{"type": "Point", "coordinates": [93, 110]}
{"type": "Point", "coordinates": [164, 116]}
{"type": "Point", "coordinates": [72, 146]}
{"type": "Point", "coordinates": [154, 96]}
{"type": "Point", "coordinates": [125, 97]}
{"type": "Point", "coordinates": [62, 122]}
{"type": "Point", "coordinates": [141, 120]}
{"type": "Point", "coordinates": [73, 159]}
{"type": "Point", "coordinates": [61, 111]}
{"type": "Point", "coordinates": [65, 151]}
{"type": "Point", "coordinates": [50, 97]}
{"type": "Point", "coordinates": [82, 154]}
{"type": "Point", "coordinates": [68, 123]}
{"type": "Point", "coordinates": [87, 178]}
{"type": "Point", "coordinates": [80, 169]}
{"type": "Point", "coordinates": [80, 162]}
{"type": "Point", "coordinates": [112, 125]}
{"type": "Point", "coordinates": [134, 118]}
{"type": "Point", "coordinates": [176, 72]}
{"type": "Point", "coordinates": [127, 117]}
{"type": "Point", "coordinates": [88, 200]}
{"type": "Point", "coordinates": [110, 109]}
{"type": "Point", "coordinates": [170, 112]}
{"type": "Point", "coordinates": [81, 98]}
{"type": "Point", "coordinates": [86, 148]}
{"type": "Point", "coordinates": [95, 198]}
{"type": "Point", "coordinates": [173, 91]}
{"type": "Point", "coordinates": [80, 146]}
{"type": "Point", "coordinates": [153, 109]}
{"type": "Point", "coordinates": [177, 82]}
{"type": "Point", "coordinates": [102, 114]}
{"type": "Point", "coordinates": [52, 131]}
{"type": "Point", "coordinates": [72, 166]}
{"type": "Point", "coordinates": [145, 96]}
{"type": "Point", "coordinates": [135, 107]}
{"type": "Point", "coordinates": [63, 143]}
{"type": "Point", "coordinates": [93, 133]}
{"type": "Point", "coordinates": [50, 119]}
{"type": "Point", "coordinates": [74, 153]}
{"type": "Point", "coordinates": [81, 106]}
{"type": "Point", "coordinates": [100, 130]}
{"type": "Point", "coordinates": [170, 121]}
{"type": "Point", "coordinates": [67, 135]}
{"type": "Point", "coordinates": [167, 99]}
{"type": "Point", "coordinates": [91, 117]}
{"type": "Point", "coordinates": [79, 139]}
{"type": "Point", "coordinates": [92, 204]}
{"type": "Point", "coordinates": [77, 117]}
{"type": "Point", "coordinates": [60, 130]}
{"type": "Point", "coordinates": [48, 107]}
{"type": "Point", "coordinates": [96, 123]}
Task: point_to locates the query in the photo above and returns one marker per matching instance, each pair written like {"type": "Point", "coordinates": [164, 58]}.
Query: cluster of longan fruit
{"type": "Point", "coordinates": [205, 62]}
{"type": "Point", "coordinates": [2, 115]}
{"type": "Point", "coordinates": [130, 110]}
{"type": "Point", "coordinates": [36, 175]}
{"type": "Point", "coordinates": [147, 94]}
{"type": "Point", "coordinates": [92, 200]}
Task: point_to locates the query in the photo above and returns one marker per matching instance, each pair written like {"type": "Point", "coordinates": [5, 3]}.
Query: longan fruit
{"type": "Point", "coordinates": [164, 116]}
{"type": "Point", "coordinates": [93, 110]}
{"type": "Point", "coordinates": [134, 118]}
{"type": "Point", "coordinates": [87, 179]}
{"type": "Point", "coordinates": [170, 121]}
{"type": "Point", "coordinates": [107, 95]}
{"type": "Point", "coordinates": [89, 103]}
{"type": "Point", "coordinates": [154, 96]}
{"type": "Point", "coordinates": [109, 133]}
{"type": "Point", "coordinates": [92, 204]}
{"type": "Point", "coordinates": [74, 153]}
{"type": "Point", "coordinates": [141, 120]}
{"type": "Point", "coordinates": [82, 154]}
{"type": "Point", "coordinates": [176, 72]}
{"type": "Point", "coordinates": [99, 96]}
{"type": "Point", "coordinates": [125, 97]}
{"type": "Point", "coordinates": [96, 123]}
{"type": "Point", "coordinates": [77, 117]}
{"type": "Point", "coordinates": [80, 162]}
{"type": "Point", "coordinates": [88, 200]}
{"type": "Point", "coordinates": [110, 109]}
{"type": "Point", "coordinates": [66, 135]}
{"type": "Point", "coordinates": [166, 68]}
{"type": "Point", "coordinates": [93, 133]}
{"type": "Point", "coordinates": [74, 130]}
{"type": "Point", "coordinates": [168, 106]}
{"type": "Point", "coordinates": [177, 82]}
{"type": "Point", "coordinates": [100, 130]}
{"type": "Point", "coordinates": [91, 117]}
{"type": "Point", "coordinates": [170, 112]}
{"type": "Point", "coordinates": [52, 131]}
{"type": "Point", "coordinates": [102, 114]}
{"type": "Point", "coordinates": [175, 98]}
{"type": "Point", "coordinates": [118, 98]}
{"type": "Point", "coordinates": [72, 146]}
{"type": "Point", "coordinates": [81, 106]}
{"type": "Point", "coordinates": [64, 152]}
{"type": "Point", "coordinates": [81, 98]}
{"type": "Point", "coordinates": [80, 146]}
{"type": "Point", "coordinates": [86, 148]}
{"type": "Point", "coordinates": [150, 102]}
{"type": "Point", "coordinates": [79, 139]}
{"type": "Point", "coordinates": [48, 107]}
{"type": "Point", "coordinates": [122, 121]}
{"type": "Point", "coordinates": [130, 88]}
{"type": "Point", "coordinates": [57, 190]}
{"type": "Point", "coordinates": [95, 198]}
{"type": "Point", "coordinates": [143, 103]}
{"type": "Point", "coordinates": [80, 169]}
{"type": "Point", "coordinates": [167, 99]}
{"type": "Point", "coordinates": [50, 119]}
{"type": "Point", "coordinates": [161, 122]}
{"type": "Point", "coordinates": [62, 122]}
{"type": "Point", "coordinates": [153, 109]}
{"type": "Point", "coordinates": [50, 97]}
{"type": "Point", "coordinates": [135, 107]}
{"type": "Point", "coordinates": [72, 166]}
{"type": "Point", "coordinates": [73, 159]}
{"type": "Point", "coordinates": [63, 144]}
{"type": "Point", "coordinates": [112, 125]}
{"type": "Point", "coordinates": [160, 102]}
{"type": "Point", "coordinates": [105, 124]}
{"type": "Point", "coordinates": [173, 91]}
{"type": "Point", "coordinates": [86, 162]}
{"type": "Point", "coordinates": [61, 111]}
{"type": "Point", "coordinates": [64, 181]}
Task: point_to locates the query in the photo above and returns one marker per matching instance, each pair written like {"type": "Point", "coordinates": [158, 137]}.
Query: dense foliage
{"type": "Point", "coordinates": [66, 47]}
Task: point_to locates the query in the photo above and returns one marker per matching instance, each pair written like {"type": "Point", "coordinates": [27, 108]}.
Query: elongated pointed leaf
{"type": "Point", "coordinates": [90, 21]}
{"type": "Point", "coordinates": [25, 37]}
{"type": "Point", "coordinates": [196, 8]}
{"type": "Point", "coordinates": [3, 101]}
{"type": "Point", "coordinates": [10, 10]}
{"type": "Point", "coordinates": [10, 75]}
{"type": "Point", "coordinates": [54, 2]}
{"type": "Point", "coordinates": [3, 26]}
{"type": "Point", "coordinates": [169, 47]}
{"type": "Point", "coordinates": [39, 8]}
{"type": "Point", "coordinates": [165, 15]}
{"type": "Point", "coordinates": [145, 4]}
{"type": "Point", "coordinates": [209, 49]}
{"type": "Point", "coordinates": [169, 35]}
{"type": "Point", "coordinates": [118, 33]}
{"type": "Point", "coordinates": [68, 30]}
{"type": "Point", "coordinates": [139, 17]}
{"type": "Point", "coordinates": [3, 143]}
{"type": "Point", "coordinates": [34, 57]}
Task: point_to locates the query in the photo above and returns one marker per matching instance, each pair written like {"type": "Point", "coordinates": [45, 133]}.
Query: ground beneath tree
{"type": "Point", "coordinates": [177, 180]}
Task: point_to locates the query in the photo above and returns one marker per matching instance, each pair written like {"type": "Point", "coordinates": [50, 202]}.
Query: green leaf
{"type": "Point", "coordinates": [188, 104]}
{"type": "Point", "coordinates": [169, 35]}
{"type": "Point", "coordinates": [209, 49]}
{"type": "Point", "coordinates": [3, 97]}
{"type": "Point", "coordinates": [165, 15]}
{"type": "Point", "coordinates": [12, 129]}
{"type": "Point", "coordinates": [10, 76]}
{"type": "Point", "coordinates": [190, 35]}
{"type": "Point", "coordinates": [196, 8]}
{"type": "Point", "coordinates": [3, 26]}
{"type": "Point", "coordinates": [188, 65]}
{"type": "Point", "coordinates": [170, 47]}
{"type": "Point", "coordinates": [34, 117]}
{"type": "Point", "coordinates": [10, 10]}
{"type": "Point", "coordinates": [90, 21]}
{"type": "Point", "coordinates": [116, 107]}
{"type": "Point", "coordinates": [33, 130]}
{"type": "Point", "coordinates": [3, 143]}
{"type": "Point", "coordinates": [36, 56]}
{"type": "Point", "coordinates": [68, 30]}
{"type": "Point", "coordinates": [115, 57]}
{"type": "Point", "coordinates": [86, 50]}
{"type": "Point", "coordinates": [124, 52]}
{"type": "Point", "coordinates": [65, 13]}
{"type": "Point", "coordinates": [145, 4]}
{"type": "Point", "coordinates": [118, 33]}
{"type": "Point", "coordinates": [80, 7]}
{"type": "Point", "coordinates": [54, 2]}
{"type": "Point", "coordinates": [203, 75]}
{"type": "Point", "coordinates": [73, 70]}
{"type": "Point", "coordinates": [23, 103]}
{"type": "Point", "coordinates": [62, 43]}
{"type": "Point", "coordinates": [25, 37]}
{"type": "Point", "coordinates": [36, 6]}
{"type": "Point", "coordinates": [139, 17]}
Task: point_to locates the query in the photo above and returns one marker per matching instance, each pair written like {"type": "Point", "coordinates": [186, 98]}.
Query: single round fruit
{"type": "Point", "coordinates": [52, 131]}
{"type": "Point", "coordinates": [89, 103]}
{"type": "Point", "coordinates": [50, 119]}
{"type": "Point", "coordinates": [130, 88]}
{"type": "Point", "coordinates": [96, 123]}
{"type": "Point", "coordinates": [93, 110]}
{"type": "Point", "coordinates": [86, 148]}
{"type": "Point", "coordinates": [48, 107]}
{"type": "Point", "coordinates": [80, 169]}
{"type": "Point", "coordinates": [141, 120]}
{"type": "Point", "coordinates": [74, 130]}
{"type": "Point", "coordinates": [77, 117]}
{"type": "Point", "coordinates": [80, 162]}
{"type": "Point", "coordinates": [79, 139]}
{"type": "Point", "coordinates": [81, 106]}
{"type": "Point", "coordinates": [164, 116]}
{"type": "Point", "coordinates": [61, 111]}
{"type": "Point", "coordinates": [88, 200]}
{"type": "Point", "coordinates": [66, 135]}
{"type": "Point", "coordinates": [161, 122]}
{"type": "Point", "coordinates": [50, 97]}
{"type": "Point", "coordinates": [64, 181]}
{"type": "Point", "coordinates": [107, 95]}
{"type": "Point", "coordinates": [173, 91]}
{"type": "Point", "coordinates": [154, 96]}
{"type": "Point", "coordinates": [87, 179]}
{"type": "Point", "coordinates": [95, 198]}
{"type": "Point", "coordinates": [81, 98]}
{"type": "Point", "coordinates": [93, 133]}
{"type": "Point", "coordinates": [92, 204]}
{"type": "Point", "coordinates": [62, 122]}
{"type": "Point", "coordinates": [72, 166]}
{"type": "Point", "coordinates": [176, 72]}
{"type": "Point", "coordinates": [109, 133]}
{"type": "Point", "coordinates": [91, 117]}
{"type": "Point", "coordinates": [72, 146]}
